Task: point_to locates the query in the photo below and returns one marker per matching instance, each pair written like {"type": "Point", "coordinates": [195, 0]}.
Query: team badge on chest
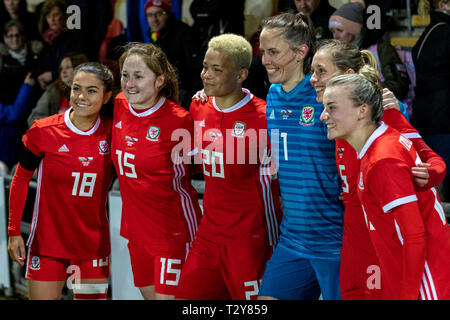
{"type": "Point", "coordinates": [153, 133]}
{"type": "Point", "coordinates": [307, 116]}
{"type": "Point", "coordinates": [103, 147]}
{"type": "Point", "coordinates": [238, 129]}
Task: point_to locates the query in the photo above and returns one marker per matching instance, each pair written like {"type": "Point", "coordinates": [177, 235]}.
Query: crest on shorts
{"type": "Point", "coordinates": [35, 263]}
{"type": "Point", "coordinates": [307, 116]}
{"type": "Point", "coordinates": [103, 147]}
{"type": "Point", "coordinates": [153, 133]}
{"type": "Point", "coordinates": [238, 129]}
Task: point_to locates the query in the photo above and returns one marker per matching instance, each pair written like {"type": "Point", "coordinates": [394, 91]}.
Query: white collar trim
{"type": "Point", "coordinates": [240, 104]}
{"type": "Point", "coordinates": [375, 135]}
{"type": "Point", "coordinates": [149, 111]}
{"type": "Point", "coordinates": [72, 127]}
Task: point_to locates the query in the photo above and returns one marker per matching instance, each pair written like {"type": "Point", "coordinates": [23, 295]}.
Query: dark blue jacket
{"type": "Point", "coordinates": [9, 116]}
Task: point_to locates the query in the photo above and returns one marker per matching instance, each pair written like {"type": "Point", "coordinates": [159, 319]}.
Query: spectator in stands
{"type": "Point", "coordinates": [55, 98]}
{"type": "Point", "coordinates": [319, 11]}
{"type": "Point", "coordinates": [9, 115]}
{"type": "Point", "coordinates": [17, 10]}
{"type": "Point", "coordinates": [17, 58]}
{"type": "Point", "coordinates": [347, 25]}
{"type": "Point", "coordinates": [178, 42]}
{"type": "Point", "coordinates": [431, 108]}
{"type": "Point", "coordinates": [58, 40]}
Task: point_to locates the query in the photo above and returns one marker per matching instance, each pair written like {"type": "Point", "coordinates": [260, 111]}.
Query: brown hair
{"type": "Point", "coordinates": [297, 29]}
{"type": "Point", "coordinates": [157, 61]}
{"type": "Point", "coordinates": [46, 8]}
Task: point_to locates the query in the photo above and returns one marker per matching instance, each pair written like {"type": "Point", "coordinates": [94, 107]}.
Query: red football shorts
{"type": "Point", "coordinates": [156, 266]}
{"type": "Point", "coordinates": [214, 271]}
{"type": "Point", "coordinates": [359, 263]}
{"type": "Point", "coordinates": [44, 268]}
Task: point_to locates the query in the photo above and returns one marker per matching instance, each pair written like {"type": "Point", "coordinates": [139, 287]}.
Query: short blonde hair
{"type": "Point", "coordinates": [236, 47]}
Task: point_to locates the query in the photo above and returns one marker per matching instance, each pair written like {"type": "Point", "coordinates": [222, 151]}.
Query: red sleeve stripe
{"type": "Point", "coordinates": [186, 200]}
{"type": "Point", "coordinates": [398, 202]}
{"type": "Point", "coordinates": [36, 205]}
{"type": "Point", "coordinates": [271, 218]}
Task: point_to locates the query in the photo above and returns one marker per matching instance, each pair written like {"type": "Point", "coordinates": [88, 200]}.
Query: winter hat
{"type": "Point", "coordinates": [349, 17]}
{"type": "Point", "coordinates": [166, 5]}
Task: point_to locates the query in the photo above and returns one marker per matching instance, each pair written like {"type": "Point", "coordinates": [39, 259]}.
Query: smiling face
{"type": "Point", "coordinates": [14, 39]}
{"type": "Point", "coordinates": [340, 114]}
{"type": "Point", "coordinates": [279, 59]}
{"type": "Point", "coordinates": [323, 70]}
{"type": "Point", "coordinates": [87, 95]}
{"type": "Point", "coordinates": [219, 75]}
{"type": "Point", "coordinates": [139, 83]}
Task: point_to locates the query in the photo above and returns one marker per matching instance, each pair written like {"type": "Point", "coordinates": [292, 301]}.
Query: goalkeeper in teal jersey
{"type": "Point", "coordinates": [306, 261]}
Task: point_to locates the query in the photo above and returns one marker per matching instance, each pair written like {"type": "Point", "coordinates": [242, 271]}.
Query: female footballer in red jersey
{"type": "Point", "coordinates": [239, 227]}
{"type": "Point", "coordinates": [160, 211]}
{"type": "Point", "coordinates": [357, 255]}
{"type": "Point", "coordinates": [69, 230]}
{"type": "Point", "coordinates": [407, 225]}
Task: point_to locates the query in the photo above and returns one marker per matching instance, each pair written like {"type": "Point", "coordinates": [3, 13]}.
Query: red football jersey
{"type": "Point", "coordinates": [159, 204]}
{"type": "Point", "coordinates": [347, 164]}
{"type": "Point", "coordinates": [346, 157]}
{"type": "Point", "coordinates": [75, 173]}
{"type": "Point", "coordinates": [239, 206]}
{"type": "Point", "coordinates": [384, 185]}
{"type": "Point", "coordinates": [355, 235]}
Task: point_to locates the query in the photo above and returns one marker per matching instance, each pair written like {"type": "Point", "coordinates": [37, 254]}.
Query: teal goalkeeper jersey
{"type": "Point", "coordinates": [309, 182]}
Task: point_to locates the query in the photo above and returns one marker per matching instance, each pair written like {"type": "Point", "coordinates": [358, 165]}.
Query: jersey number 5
{"type": "Point", "coordinates": [345, 187]}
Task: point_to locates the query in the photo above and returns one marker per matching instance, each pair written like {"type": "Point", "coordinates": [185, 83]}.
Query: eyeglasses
{"type": "Point", "coordinates": [156, 14]}
{"type": "Point", "coordinates": [14, 35]}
